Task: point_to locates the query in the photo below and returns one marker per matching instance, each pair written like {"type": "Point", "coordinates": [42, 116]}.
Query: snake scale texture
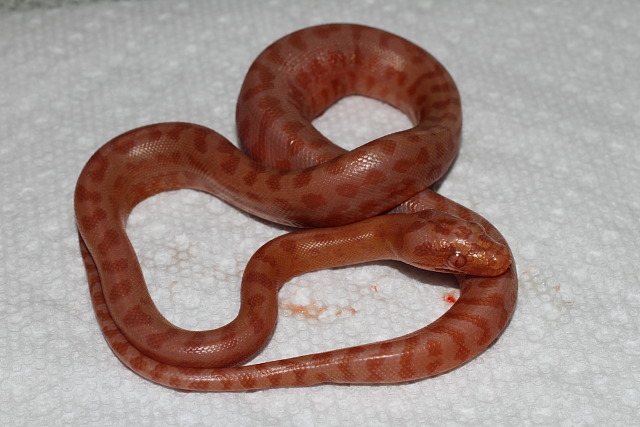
{"type": "Point", "coordinates": [367, 204]}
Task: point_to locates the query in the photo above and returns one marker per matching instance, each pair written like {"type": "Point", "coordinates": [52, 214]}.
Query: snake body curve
{"type": "Point", "coordinates": [305, 181]}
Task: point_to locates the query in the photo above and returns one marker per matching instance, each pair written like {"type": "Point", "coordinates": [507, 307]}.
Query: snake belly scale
{"type": "Point", "coordinates": [371, 203]}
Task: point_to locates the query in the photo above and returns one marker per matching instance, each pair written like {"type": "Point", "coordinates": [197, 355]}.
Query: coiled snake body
{"type": "Point", "coordinates": [291, 174]}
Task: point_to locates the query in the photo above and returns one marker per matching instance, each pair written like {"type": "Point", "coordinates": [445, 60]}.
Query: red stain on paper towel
{"type": "Point", "coordinates": [451, 298]}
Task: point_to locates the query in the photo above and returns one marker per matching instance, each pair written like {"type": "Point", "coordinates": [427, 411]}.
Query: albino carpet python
{"type": "Point", "coordinates": [291, 174]}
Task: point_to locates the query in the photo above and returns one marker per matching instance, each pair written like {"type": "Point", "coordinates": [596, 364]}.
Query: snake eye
{"type": "Point", "coordinates": [457, 260]}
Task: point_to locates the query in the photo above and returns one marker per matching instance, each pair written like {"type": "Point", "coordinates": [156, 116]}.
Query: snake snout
{"type": "Point", "coordinates": [488, 259]}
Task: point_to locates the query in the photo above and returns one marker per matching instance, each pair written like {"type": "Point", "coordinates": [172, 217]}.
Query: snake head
{"type": "Point", "coordinates": [441, 242]}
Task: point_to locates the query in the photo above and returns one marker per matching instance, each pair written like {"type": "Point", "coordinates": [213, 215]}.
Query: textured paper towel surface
{"type": "Point", "coordinates": [550, 155]}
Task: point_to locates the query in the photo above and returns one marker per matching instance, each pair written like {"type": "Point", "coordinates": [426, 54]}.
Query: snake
{"type": "Point", "coordinates": [371, 203]}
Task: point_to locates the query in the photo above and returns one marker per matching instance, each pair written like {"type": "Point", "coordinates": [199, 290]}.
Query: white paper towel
{"type": "Point", "coordinates": [550, 97]}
